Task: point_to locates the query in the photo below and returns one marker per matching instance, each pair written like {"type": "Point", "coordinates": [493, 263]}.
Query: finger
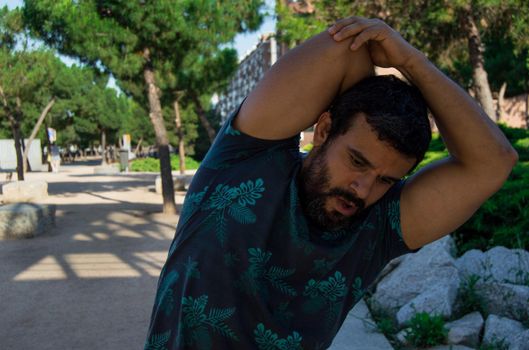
{"type": "Point", "coordinates": [338, 25]}
{"type": "Point", "coordinates": [350, 30]}
{"type": "Point", "coordinates": [371, 33]}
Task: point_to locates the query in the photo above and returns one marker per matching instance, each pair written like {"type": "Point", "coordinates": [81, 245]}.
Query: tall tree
{"type": "Point", "coordinates": [132, 39]}
{"type": "Point", "coordinates": [449, 32]}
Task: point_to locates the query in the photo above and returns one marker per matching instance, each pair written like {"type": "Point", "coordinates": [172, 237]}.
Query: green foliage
{"type": "Point", "coordinates": [307, 147]}
{"type": "Point", "coordinates": [426, 330]}
{"type": "Point", "coordinates": [500, 344]}
{"type": "Point", "coordinates": [470, 300]}
{"type": "Point", "coordinates": [384, 322]}
{"type": "Point", "coordinates": [153, 165]}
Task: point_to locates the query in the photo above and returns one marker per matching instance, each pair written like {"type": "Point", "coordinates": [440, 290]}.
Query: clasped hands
{"type": "Point", "coordinates": [386, 46]}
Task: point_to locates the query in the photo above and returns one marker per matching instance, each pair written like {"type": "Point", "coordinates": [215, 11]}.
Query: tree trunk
{"type": "Point", "coordinates": [137, 149]}
{"type": "Point", "coordinates": [501, 97]}
{"type": "Point", "coordinates": [36, 130]}
{"type": "Point", "coordinates": [103, 147]}
{"type": "Point", "coordinates": [180, 132]}
{"type": "Point", "coordinates": [155, 114]}
{"type": "Point", "coordinates": [203, 119]}
{"type": "Point", "coordinates": [479, 74]}
{"type": "Point", "coordinates": [48, 146]}
{"type": "Point", "coordinates": [15, 128]}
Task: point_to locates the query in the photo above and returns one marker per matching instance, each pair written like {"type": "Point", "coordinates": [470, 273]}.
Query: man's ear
{"type": "Point", "coordinates": [322, 129]}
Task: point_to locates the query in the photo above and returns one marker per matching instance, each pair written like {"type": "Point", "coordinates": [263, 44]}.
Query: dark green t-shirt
{"type": "Point", "coordinates": [246, 270]}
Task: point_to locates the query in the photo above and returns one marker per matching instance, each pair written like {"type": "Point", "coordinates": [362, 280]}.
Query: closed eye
{"type": "Point", "coordinates": [356, 162]}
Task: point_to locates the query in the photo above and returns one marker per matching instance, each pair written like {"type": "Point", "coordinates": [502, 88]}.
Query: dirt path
{"type": "Point", "coordinates": [90, 283]}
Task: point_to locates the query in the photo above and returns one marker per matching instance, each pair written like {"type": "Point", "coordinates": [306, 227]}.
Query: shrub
{"type": "Point", "coordinates": [426, 330]}
{"type": "Point", "coordinates": [307, 148]}
{"type": "Point", "coordinates": [470, 300]}
{"type": "Point", "coordinates": [153, 164]}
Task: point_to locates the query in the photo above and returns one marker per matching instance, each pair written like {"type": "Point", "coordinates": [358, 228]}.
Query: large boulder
{"type": "Point", "coordinates": [425, 271]}
{"type": "Point", "coordinates": [466, 330]}
{"type": "Point", "coordinates": [107, 169]}
{"type": "Point", "coordinates": [498, 264]}
{"type": "Point", "coordinates": [521, 341]}
{"type": "Point", "coordinates": [501, 331]}
{"type": "Point", "coordinates": [181, 182]}
{"type": "Point", "coordinates": [505, 299]}
{"type": "Point", "coordinates": [437, 300]}
{"type": "Point", "coordinates": [26, 220]}
{"type": "Point", "coordinates": [25, 191]}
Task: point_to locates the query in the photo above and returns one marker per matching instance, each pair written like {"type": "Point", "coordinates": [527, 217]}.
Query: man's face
{"type": "Point", "coordinates": [342, 177]}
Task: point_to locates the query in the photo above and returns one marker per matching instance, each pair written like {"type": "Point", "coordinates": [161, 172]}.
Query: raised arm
{"type": "Point", "coordinates": [441, 197]}
{"type": "Point", "coordinates": [300, 86]}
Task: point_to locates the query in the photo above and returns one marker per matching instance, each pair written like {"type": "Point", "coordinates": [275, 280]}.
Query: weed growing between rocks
{"type": "Point", "coordinates": [426, 330]}
{"type": "Point", "coordinates": [470, 300]}
{"type": "Point", "coordinates": [385, 324]}
{"type": "Point", "coordinates": [495, 345]}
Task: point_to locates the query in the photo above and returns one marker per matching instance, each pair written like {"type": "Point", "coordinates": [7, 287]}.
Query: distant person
{"type": "Point", "coordinates": [272, 250]}
{"type": "Point", "coordinates": [55, 158]}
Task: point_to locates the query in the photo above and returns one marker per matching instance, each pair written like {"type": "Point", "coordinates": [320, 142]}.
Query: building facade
{"type": "Point", "coordinates": [251, 69]}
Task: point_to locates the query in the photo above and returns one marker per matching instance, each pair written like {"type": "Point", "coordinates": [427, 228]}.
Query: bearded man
{"type": "Point", "coordinates": [272, 248]}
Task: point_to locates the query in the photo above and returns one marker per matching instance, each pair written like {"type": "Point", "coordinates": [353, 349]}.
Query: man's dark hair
{"type": "Point", "coordinates": [394, 109]}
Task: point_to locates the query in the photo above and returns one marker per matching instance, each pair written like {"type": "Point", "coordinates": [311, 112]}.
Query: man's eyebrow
{"type": "Point", "coordinates": [359, 155]}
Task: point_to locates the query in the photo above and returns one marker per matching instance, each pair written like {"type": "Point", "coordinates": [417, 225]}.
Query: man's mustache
{"type": "Point", "coordinates": [351, 197]}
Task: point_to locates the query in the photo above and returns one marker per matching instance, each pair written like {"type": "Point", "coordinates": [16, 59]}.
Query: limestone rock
{"type": "Point", "coordinates": [498, 264]}
{"type": "Point", "coordinates": [437, 300]}
{"type": "Point", "coordinates": [450, 347]}
{"type": "Point", "coordinates": [25, 191]}
{"type": "Point", "coordinates": [431, 266]}
{"type": "Point", "coordinates": [401, 337]}
{"type": "Point", "coordinates": [181, 182]}
{"type": "Point", "coordinates": [466, 330]}
{"type": "Point", "coordinates": [501, 330]}
{"type": "Point", "coordinates": [505, 299]}
{"type": "Point", "coordinates": [521, 341]}
{"type": "Point", "coordinates": [107, 169]}
{"type": "Point", "coordinates": [26, 220]}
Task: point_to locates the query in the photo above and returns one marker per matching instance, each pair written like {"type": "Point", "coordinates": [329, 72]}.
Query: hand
{"type": "Point", "coordinates": [386, 47]}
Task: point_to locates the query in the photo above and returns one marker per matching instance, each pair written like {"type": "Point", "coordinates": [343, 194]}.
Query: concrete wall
{"type": "Point", "coordinates": [8, 158]}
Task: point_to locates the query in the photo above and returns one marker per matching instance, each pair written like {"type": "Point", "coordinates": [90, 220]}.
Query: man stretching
{"type": "Point", "coordinates": [273, 249]}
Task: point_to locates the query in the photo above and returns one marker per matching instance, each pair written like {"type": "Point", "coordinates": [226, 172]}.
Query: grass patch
{"type": "Point", "coordinates": [426, 330]}
{"type": "Point", "coordinates": [153, 164]}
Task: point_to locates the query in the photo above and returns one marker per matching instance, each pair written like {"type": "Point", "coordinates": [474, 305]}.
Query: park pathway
{"type": "Point", "coordinates": [90, 283]}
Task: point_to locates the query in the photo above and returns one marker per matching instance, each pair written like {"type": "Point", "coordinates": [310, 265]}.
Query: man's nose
{"type": "Point", "coordinates": [362, 185]}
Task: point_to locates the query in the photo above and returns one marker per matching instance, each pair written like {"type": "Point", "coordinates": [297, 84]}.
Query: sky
{"type": "Point", "coordinates": [243, 43]}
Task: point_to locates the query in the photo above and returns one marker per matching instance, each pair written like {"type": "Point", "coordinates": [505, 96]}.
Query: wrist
{"type": "Point", "coordinates": [413, 65]}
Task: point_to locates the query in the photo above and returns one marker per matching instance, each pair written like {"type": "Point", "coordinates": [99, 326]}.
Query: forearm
{"type": "Point", "coordinates": [471, 137]}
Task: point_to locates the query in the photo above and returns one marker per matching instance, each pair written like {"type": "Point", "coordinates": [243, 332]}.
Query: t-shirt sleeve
{"type": "Point", "coordinates": [393, 244]}
{"type": "Point", "coordinates": [233, 146]}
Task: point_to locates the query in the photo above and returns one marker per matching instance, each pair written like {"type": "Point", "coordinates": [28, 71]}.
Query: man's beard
{"type": "Point", "coordinates": [315, 190]}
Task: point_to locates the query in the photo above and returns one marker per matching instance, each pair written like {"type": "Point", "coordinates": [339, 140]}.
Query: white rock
{"type": "Point", "coordinates": [437, 300]}
{"type": "Point", "coordinates": [498, 264]}
{"type": "Point", "coordinates": [181, 182]}
{"type": "Point", "coordinates": [521, 341]}
{"type": "Point", "coordinates": [25, 191]}
{"type": "Point", "coordinates": [471, 264]}
{"type": "Point", "coordinates": [109, 169]}
{"type": "Point", "coordinates": [501, 329]}
{"type": "Point", "coordinates": [466, 330]}
{"type": "Point", "coordinates": [505, 299]}
{"type": "Point", "coordinates": [433, 265]}
{"type": "Point", "coordinates": [26, 220]}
